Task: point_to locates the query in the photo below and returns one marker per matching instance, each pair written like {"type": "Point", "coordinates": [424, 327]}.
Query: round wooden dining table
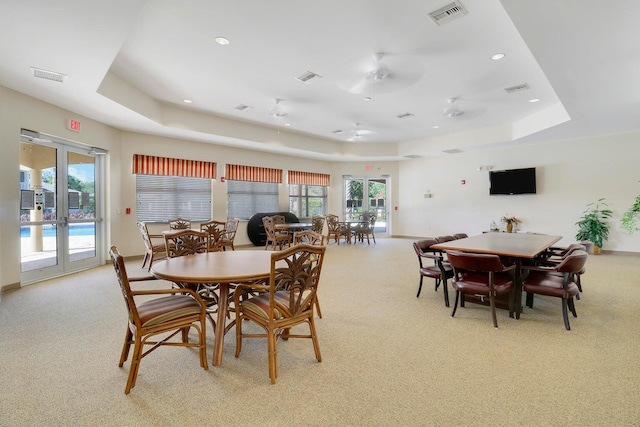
{"type": "Point", "coordinates": [224, 268]}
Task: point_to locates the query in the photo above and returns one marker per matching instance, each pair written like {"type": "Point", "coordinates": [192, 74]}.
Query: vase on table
{"type": "Point", "coordinates": [509, 227]}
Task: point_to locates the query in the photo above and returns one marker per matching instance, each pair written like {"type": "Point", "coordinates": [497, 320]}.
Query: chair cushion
{"type": "Point", "coordinates": [548, 284]}
{"type": "Point", "coordinates": [477, 283]}
{"type": "Point", "coordinates": [260, 304]}
{"type": "Point", "coordinates": [167, 308]}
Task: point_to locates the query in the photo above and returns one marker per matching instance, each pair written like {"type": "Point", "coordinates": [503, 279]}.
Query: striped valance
{"type": "Point", "coordinates": [153, 165]}
{"type": "Point", "coordinates": [253, 173]}
{"type": "Point", "coordinates": [308, 178]}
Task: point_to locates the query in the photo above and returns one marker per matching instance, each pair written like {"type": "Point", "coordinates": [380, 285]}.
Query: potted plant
{"type": "Point", "coordinates": [629, 219]}
{"type": "Point", "coordinates": [593, 224]}
{"type": "Point", "coordinates": [511, 222]}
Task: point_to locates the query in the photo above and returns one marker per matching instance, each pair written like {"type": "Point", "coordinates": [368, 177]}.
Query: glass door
{"type": "Point", "coordinates": [59, 226]}
{"type": "Point", "coordinates": [366, 194]}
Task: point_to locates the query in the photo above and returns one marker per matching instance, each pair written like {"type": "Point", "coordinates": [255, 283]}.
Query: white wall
{"type": "Point", "coordinates": [569, 176]}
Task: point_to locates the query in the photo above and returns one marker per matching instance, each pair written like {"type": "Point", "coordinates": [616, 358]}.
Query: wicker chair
{"type": "Point", "coordinates": [276, 240]}
{"type": "Point", "coordinates": [286, 301]}
{"type": "Point", "coordinates": [152, 250]}
{"type": "Point", "coordinates": [229, 234]}
{"type": "Point", "coordinates": [186, 242]}
{"type": "Point", "coordinates": [179, 224]}
{"type": "Point", "coordinates": [366, 228]}
{"type": "Point", "coordinates": [310, 237]}
{"type": "Point", "coordinates": [214, 230]}
{"type": "Point", "coordinates": [337, 229]}
{"type": "Point", "coordinates": [173, 311]}
{"type": "Point", "coordinates": [317, 223]}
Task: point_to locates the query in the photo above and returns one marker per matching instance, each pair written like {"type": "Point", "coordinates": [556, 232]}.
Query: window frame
{"type": "Point", "coordinates": [303, 197]}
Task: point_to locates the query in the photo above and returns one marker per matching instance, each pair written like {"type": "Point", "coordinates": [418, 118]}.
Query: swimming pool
{"type": "Point", "coordinates": [49, 230]}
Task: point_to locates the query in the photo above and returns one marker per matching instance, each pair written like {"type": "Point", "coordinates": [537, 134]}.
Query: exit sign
{"type": "Point", "coordinates": [74, 125]}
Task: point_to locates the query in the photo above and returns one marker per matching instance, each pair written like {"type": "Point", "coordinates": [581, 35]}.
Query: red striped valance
{"type": "Point", "coordinates": [308, 178]}
{"type": "Point", "coordinates": [152, 165]}
{"type": "Point", "coordinates": [253, 173]}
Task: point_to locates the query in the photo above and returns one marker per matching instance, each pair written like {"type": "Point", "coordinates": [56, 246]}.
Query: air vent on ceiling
{"type": "Point", "coordinates": [448, 13]}
{"type": "Point", "coordinates": [404, 116]}
{"type": "Point", "coordinates": [517, 88]}
{"type": "Point", "coordinates": [308, 77]}
{"type": "Point", "coordinates": [413, 156]}
{"type": "Point", "coordinates": [48, 75]}
{"type": "Point", "coordinates": [453, 151]}
{"type": "Point", "coordinates": [242, 107]}
{"type": "Point", "coordinates": [337, 131]}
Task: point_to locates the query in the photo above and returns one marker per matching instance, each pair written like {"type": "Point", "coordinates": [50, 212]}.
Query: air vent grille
{"type": "Point", "coordinates": [413, 156]}
{"type": "Point", "coordinates": [453, 151]}
{"type": "Point", "coordinates": [48, 75]}
{"type": "Point", "coordinates": [448, 13]}
{"type": "Point", "coordinates": [308, 77]}
{"type": "Point", "coordinates": [404, 116]}
{"type": "Point", "coordinates": [242, 107]}
{"type": "Point", "coordinates": [517, 88]}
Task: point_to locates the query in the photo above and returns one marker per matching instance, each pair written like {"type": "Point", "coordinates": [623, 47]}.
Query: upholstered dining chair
{"type": "Point", "coordinates": [337, 229]}
{"type": "Point", "coordinates": [172, 311]}
{"type": "Point", "coordinates": [153, 250]}
{"type": "Point", "coordinates": [286, 301]}
{"type": "Point", "coordinates": [554, 256]}
{"type": "Point", "coordinates": [186, 242]}
{"type": "Point", "coordinates": [556, 281]}
{"type": "Point", "coordinates": [432, 264]}
{"type": "Point", "coordinates": [179, 224]}
{"type": "Point", "coordinates": [460, 236]}
{"type": "Point", "coordinates": [214, 230]}
{"type": "Point", "coordinates": [310, 237]}
{"type": "Point", "coordinates": [482, 275]}
{"type": "Point", "coordinates": [274, 239]}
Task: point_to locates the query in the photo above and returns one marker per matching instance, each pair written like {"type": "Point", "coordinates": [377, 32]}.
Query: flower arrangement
{"type": "Point", "coordinates": [510, 219]}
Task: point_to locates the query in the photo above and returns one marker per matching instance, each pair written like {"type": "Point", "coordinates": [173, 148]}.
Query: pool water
{"type": "Point", "coordinates": [50, 230]}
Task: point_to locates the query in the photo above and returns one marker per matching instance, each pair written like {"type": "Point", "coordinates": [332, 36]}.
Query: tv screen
{"type": "Point", "coordinates": [513, 181]}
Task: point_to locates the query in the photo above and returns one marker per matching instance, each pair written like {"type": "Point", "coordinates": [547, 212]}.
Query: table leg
{"type": "Point", "coordinates": [518, 290]}
{"type": "Point", "coordinates": [218, 342]}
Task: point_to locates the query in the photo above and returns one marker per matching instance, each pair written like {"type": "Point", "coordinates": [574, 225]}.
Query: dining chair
{"type": "Point", "coordinates": [286, 301]}
{"type": "Point", "coordinates": [435, 268]}
{"type": "Point", "coordinates": [310, 237]}
{"type": "Point", "coordinates": [556, 255]}
{"type": "Point", "coordinates": [317, 223]}
{"type": "Point", "coordinates": [337, 229]}
{"type": "Point", "coordinates": [557, 281]}
{"type": "Point", "coordinates": [214, 230]}
{"type": "Point", "coordinates": [229, 234]}
{"type": "Point", "coordinates": [366, 228]}
{"type": "Point", "coordinates": [482, 275]}
{"type": "Point", "coordinates": [276, 240]}
{"type": "Point", "coordinates": [460, 236]}
{"type": "Point", "coordinates": [172, 311]}
{"type": "Point", "coordinates": [152, 250]}
{"type": "Point", "coordinates": [179, 224]}
{"type": "Point", "coordinates": [443, 239]}
{"type": "Point", "coordinates": [186, 242]}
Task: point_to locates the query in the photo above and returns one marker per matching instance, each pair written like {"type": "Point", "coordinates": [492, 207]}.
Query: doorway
{"type": "Point", "coordinates": [367, 194]}
{"type": "Point", "coordinates": [60, 220]}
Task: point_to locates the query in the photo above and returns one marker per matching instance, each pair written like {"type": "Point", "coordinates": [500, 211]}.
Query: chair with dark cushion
{"type": "Point", "coordinates": [482, 275]}
{"type": "Point", "coordinates": [152, 250]}
{"type": "Point", "coordinates": [555, 256]}
{"type": "Point", "coordinates": [443, 239]}
{"type": "Point", "coordinates": [173, 311]}
{"type": "Point", "coordinates": [460, 236]}
{"type": "Point", "coordinates": [433, 265]}
{"type": "Point", "coordinates": [556, 281]}
{"type": "Point", "coordinates": [286, 301]}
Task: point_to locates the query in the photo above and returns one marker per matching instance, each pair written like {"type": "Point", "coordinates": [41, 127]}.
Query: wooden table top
{"type": "Point", "coordinates": [215, 267]}
{"type": "Point", "coordinates": [521, 245]}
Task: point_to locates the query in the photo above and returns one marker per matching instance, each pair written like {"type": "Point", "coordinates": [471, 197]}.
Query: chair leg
{"type": "Point", "coordinates": [419, 286]}
{"type": "Point", "coordinates": [125, 348]}
{"type": "Point", "coordinates": [529, 300]}
{"type": "Point", "coordinates": [455, 304]}
{"type": "Point", "coordinates": [572, 307]}
{"type": "Point", "coordinates": [135, 363]}
{"type": "Point", "coordinates": [565, 315]}
{"type": "Point", "coordinates": [239, 320]}
{"type": "Point", "coordinates": [145, 259]}
{"type": "Point", "coordinates": [273, 356]}
{"type": "Point", "coordinates": [492, 302]}
{"type": "Point", "coordinates": [446, 292]}
{"type": "Point", "coordinates": [317, 304]}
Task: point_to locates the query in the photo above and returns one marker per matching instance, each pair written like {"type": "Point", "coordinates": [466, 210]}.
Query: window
{"type": "Point", "coordinates": [305, 201]}
{"type": "Point", "coordinates": [246, 198]}
{"type": "Point", "coordinates": [160, 197]}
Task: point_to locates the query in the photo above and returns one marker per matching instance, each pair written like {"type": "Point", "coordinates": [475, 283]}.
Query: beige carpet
{"type": "Point", "coordinates": [389, 358]}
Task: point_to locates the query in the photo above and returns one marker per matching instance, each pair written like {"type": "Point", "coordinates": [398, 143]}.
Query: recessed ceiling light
{"type": "Point", "coordinates": [287, 124]}
{"type": "Point", "coordinates": [436, 127]}
{"type": "Point", "coordinates": [497, 56]}
{"type": "Point", "coordinates": [534, 100]}
{"type": "Point", "coordinates": [187, 101]}
{"type": "Point", "coordinates": [222, 40]}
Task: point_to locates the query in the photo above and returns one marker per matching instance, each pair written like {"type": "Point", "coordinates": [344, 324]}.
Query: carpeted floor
{"type": "Point", "coordinates": [389, 358]}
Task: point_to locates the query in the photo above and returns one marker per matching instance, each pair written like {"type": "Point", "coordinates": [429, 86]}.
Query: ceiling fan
{"type": "Point", "coordinates": [452, 110]}
{"type": "Point", "coordinates": [384, 73]}
{"type": "Point", "coordinates": [277, 111]}
{"type": "Point", "coordinates": [357, 133]}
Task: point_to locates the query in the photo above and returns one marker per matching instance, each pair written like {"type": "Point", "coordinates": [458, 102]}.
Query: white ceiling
{"type": "Point", "coordinates": [131, 63]}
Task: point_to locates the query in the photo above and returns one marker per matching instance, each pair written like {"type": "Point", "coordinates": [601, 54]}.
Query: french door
{"type": "Point", "coordinates": [367, 194]}
{"type": "Point", "coordinates": [60, 224]}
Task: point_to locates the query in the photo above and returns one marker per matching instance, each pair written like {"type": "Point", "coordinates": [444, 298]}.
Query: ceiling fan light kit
{"type": "Point", "coordinates": [452, 110]}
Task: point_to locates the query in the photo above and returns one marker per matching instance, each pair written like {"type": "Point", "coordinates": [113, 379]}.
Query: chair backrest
{"type": "Point", "coordinates": [215, 231]}
{"type": "Point", "coordinates": [442, 239]}
{"type": "Point", "coordinates": [460, 236]}
{"type": "Point", "coordinates": [179, 223]}
{"type": "Point", "coordinates": [573, 262]}
{"type": "Point", "coordinates": [268, 223]}
{"type": "Point", "coordinates": [278, 219]}
{"type": "Point", "coordinates": [125, 287]}
{"type": "Point", "coordinates": [332, 222]}
{"type": "Point", "coordinates": [145, 235]}
{"type": "Point", "coordinates": [423, 249]}
{"type": "Point", "coordinates": [370, 218]}
{"type": "Point", "coordinates": [588, 246]}
{"type": "Point", "coordinates": [317, 223]}
{"type": "Point", "coordinates": [465, 261]}
{"type": "Point", "coordinates": [186, 242]}
{"type": "Point", "coordinates": [300, 276]}
{"type": "Point", "coordinates": [309, 237]}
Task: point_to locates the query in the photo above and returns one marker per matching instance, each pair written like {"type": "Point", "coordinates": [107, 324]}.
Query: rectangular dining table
{"type": "Point", "coordinates": [517, 246]}
{"type": "Point", "coordinates": [224, 268]}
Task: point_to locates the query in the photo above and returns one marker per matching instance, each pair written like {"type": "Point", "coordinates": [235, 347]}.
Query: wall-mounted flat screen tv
{"type": "Point", "coordinates": [512, 181]}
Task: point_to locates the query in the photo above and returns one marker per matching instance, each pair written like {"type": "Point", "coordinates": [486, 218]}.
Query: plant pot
{"type": "Point", "coordinates": [597, 250]}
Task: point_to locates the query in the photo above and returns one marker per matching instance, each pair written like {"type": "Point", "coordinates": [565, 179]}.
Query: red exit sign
{"type": "Point", "coordinates": [74, 125]}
